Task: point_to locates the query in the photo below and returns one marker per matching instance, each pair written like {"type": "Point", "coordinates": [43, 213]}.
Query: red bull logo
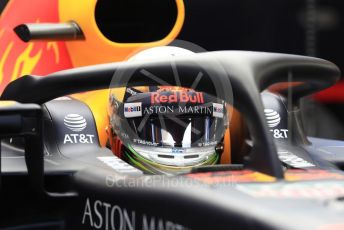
{"type": "Point", "coordinates": [182, 97]}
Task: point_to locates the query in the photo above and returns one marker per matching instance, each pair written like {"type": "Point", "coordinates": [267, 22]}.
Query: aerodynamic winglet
{"type": "Point", "coordinates": [49, 31]}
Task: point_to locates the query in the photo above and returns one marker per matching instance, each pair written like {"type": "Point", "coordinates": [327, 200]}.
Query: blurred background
{"type": "Point", "coordinates": [305, 27]}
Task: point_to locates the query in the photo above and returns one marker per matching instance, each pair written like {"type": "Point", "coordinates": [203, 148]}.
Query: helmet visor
{"type": "Point", "coordinates": [177, 132]}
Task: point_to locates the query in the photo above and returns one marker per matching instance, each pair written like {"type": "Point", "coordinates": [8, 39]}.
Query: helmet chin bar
{"type": "Point", "coordinates": [153, 167]}
{"type": "Point", "coordinates": [249, 73]}
{"type": "Point", "coordinates": [179, 157]}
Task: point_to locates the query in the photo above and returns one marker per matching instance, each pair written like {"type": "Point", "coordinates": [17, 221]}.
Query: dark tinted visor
{"type": "Point", "coordinates": [177, 131]}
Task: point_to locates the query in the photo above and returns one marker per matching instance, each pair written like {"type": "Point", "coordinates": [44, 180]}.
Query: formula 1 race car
{"type": "Point", "coordinates": [55, 174]}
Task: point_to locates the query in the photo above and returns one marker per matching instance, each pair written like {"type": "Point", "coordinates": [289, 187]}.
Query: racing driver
{"type": "Point", "coordinates": [166, 129]}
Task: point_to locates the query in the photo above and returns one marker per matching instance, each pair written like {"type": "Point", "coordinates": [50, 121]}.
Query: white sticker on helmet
{"type": "Point", "coordinates": [217, 110]}
{"type": "Point", "coordinates": [133, 109]}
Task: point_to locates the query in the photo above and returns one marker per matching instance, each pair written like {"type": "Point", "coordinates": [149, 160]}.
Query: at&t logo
{"type": "Point", "coordinates": [273, 119]}
{"type": "Point", "coordinates": [76, 123]}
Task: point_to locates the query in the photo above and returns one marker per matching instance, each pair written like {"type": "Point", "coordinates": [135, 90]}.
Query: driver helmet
{"type": "Point", "coordinates": [166, 129]}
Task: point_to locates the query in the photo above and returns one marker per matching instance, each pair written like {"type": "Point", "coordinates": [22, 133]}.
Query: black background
{"type": "Point", "coordinates": [306, 27]}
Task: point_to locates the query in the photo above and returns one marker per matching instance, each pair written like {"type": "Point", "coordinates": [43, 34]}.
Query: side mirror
{"type": "Point", "coordinates": [24, 120]}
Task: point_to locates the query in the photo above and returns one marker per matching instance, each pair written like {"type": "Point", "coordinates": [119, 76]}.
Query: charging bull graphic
{"type": "Point", "coordinates": [18, 58]}
{"type": "Point", "coordinates": [45, 56]}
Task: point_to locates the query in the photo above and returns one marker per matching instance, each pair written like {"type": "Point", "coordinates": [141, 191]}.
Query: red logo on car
{"type": "Point", "coordinates": [183, 97]}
